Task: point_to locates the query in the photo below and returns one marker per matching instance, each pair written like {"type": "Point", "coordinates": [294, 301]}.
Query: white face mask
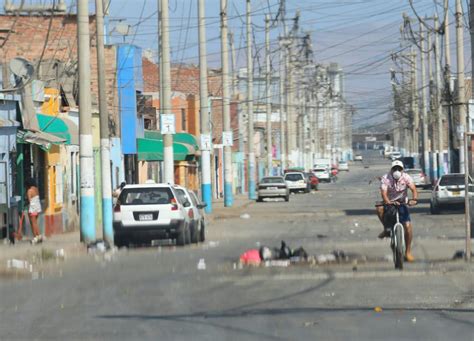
{"type": "Point", "coordinates": [397, 175]}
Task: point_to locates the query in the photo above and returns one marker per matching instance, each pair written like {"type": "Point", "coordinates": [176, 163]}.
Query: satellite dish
{"type": "Point", "coordinates": [21, 68]}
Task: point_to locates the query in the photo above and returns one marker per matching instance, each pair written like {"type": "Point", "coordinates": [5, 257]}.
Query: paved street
{"type": "Point", "coordinates": [159, 293]}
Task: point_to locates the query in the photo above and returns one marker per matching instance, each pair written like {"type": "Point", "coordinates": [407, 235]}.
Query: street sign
{"type": "Point", "coordinates": [167, 124]}
{"type": "Point", "coordinates": [227, 139]}
{"type": "Point", "coordinates": [206, 143]}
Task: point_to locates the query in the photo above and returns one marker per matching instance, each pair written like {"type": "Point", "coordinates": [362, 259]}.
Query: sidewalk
{"type": "Point", "coordinates": [69, 242]}
{"type": "Point", "coordinates": [241, 202]}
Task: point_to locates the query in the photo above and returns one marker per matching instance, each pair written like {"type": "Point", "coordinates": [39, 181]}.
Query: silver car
{"type": "Point", "coordinates": [449, 190]}
{"type": "Point", "coordinates": [419, 178]}
{"type": "Point", "coordinates": [273, 187]}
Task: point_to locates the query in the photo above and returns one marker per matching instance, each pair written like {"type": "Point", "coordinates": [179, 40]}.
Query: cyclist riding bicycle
{"type": "Point", "coordinates": [393, 189]}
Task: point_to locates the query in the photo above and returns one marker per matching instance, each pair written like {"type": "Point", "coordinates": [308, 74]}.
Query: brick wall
{"type": "Point", "coordinates": [184, 78]}
{"type": "Point", "coordinates": [27, 38]}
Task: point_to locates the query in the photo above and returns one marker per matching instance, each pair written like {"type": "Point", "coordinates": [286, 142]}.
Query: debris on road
{"type": "Point", "coordinates": [277, 263]}
{"type": "Point", "coordinates": [98, 246]}
{"type": "Point", "coordinates": [60, 254]}
{"type": "Point", "coordinates": [17, 264]}
{"type": "Point", "coordinates": [413, 320]}
{"type": "Point", "coordinates": [213, 244]}
{"type": "Point", "coordinates": [251, 257]}
{"type": "Point", "coordinates": [245, 216]}
{"type": "Point", "coordinates": [201, 264]}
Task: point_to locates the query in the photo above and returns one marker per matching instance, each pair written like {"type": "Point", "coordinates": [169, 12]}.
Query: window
{"type": "Point", "coordinates": [146, 196]}
{"type": "Point", "coordinates": [272, 181]}
{"type": "Point", "coordinates": [294, 177]}
{"type": "Point", "coordinates": [184, 123]}
{"type": "Point", "coordinates": [59, 184]}
{"type": "Point", "coordinates": [181, 196]}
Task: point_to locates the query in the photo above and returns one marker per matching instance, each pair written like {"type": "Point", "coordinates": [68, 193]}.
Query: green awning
{"type": "Point", "coordinates": [152, 150]}
{"type": "Point", "coordinates": [59, 127]}
{"type": "Point", "coordinates": [185, 138]}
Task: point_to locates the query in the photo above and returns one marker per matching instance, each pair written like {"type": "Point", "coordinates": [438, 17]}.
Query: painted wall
{"type": "Point", "coordinates": [116, 156]}
{"type": "Point", "coordinates": [129, 81]}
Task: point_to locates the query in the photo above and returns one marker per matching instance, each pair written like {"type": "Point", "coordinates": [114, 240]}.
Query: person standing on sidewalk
{"type": "Point", "coordinates": [34, 209]}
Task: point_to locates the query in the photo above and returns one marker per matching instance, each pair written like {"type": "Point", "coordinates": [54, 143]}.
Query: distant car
{"type": "Point", "coordinates": [419, 178]}
{"type": "Point", "coordinates": [195, 213]}
{"type": "Point", "coordinates": [395, 155]}
{"type": "Point", "coordinates": [449, 190]}
{"type": "Point", "coordinates": [322, 174]}
{"type": "Point", "coordinates": [358, 157]}
{"type": "Point", "coordinates": [343, 166]}
{"type": "Point", "coordinates": [148, 212]}
{"type": "Point", "coordinates": [296, 182]}
{"type": "Point", "coordinates": [273, 187]}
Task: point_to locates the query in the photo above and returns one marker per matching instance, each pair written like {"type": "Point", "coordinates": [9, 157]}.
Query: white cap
{"type": "Point", "coordinates": [397, 163]}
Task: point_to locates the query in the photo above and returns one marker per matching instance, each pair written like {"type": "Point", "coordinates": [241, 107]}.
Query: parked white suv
{"type": "Point", "coordinates": [195, 213]}
{"type": "Point", "coordinates": [148, 212]}
{"type": "Point", "coordinates": [323, 174]}
{"type": "Point", "coordinates": [296, 182]}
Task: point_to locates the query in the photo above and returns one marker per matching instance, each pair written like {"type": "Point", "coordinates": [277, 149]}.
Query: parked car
{"type": "Point", "coordinates": [358, 157]}
{"type": "Point", "coordinates": [195, 213]}
{"type": "Point", "coordinates": [148, 212]}
{"type": "Point", "coordinates": [273, 187]}
{"type": "Point", "coordinates": [322, 174]}
{"type": "Point", "coordinates": [314, 181]}
{"type": "Point", "coordinates": [296, 182]}
{"type": "Point", "coordinates": [395, 155]}
{"type": "Point", "coordinates": [419, 178]}
{"type": "Point", "coordinates": [343, 166]}
{"type": "Point", "coordinates": [449, 190]}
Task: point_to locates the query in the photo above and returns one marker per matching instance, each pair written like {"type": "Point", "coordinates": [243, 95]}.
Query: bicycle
{"type": "Point", "coordinates": [397, 238]}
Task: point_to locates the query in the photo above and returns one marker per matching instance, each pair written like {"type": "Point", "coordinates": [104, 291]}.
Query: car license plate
{"type": "Point", "coordinates": [456, 193]}
{"type": "Point", "coordinates": [272, 188]}
{"type": "Point", "coordinates": [145, 217]}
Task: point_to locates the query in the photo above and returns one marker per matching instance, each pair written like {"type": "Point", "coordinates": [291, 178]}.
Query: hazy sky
{"type": "Point", "coordinates": [358, 34]}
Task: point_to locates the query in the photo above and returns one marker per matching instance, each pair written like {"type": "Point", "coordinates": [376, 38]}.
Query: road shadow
{"type": "Point", "coordinates": [371, 211]}
{"type": "Point", "coordinates": [291, 311]}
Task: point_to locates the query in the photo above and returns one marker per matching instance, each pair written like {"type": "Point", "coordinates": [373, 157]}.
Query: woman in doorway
{"type": "Point", "coordinates": [34, 209]}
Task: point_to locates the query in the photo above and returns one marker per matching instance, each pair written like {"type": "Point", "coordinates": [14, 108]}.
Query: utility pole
{"type": "Point", "coordinates": [233, 64]}
{"type": "Point", "coordinates": [108, 232]}
{"type": "Point", "coordinates": [250, 142]}
{"type": "Point", "coordinates": [439, 108]}
{"type": "Point", "coordinates": [240, 115]}
{"type": "Point", "coordinates": [206, 140]}
{"type": "Point", "coordinates": [461, 102]}
{"type": "Point", "coordinates": [282, 107]}
{"type": "Point", "coordinates": [165, 84]}
{"type": "Point", "coordinates": [414, 103]}
{"type": "Point", "coordinates": [424, 113]}
{"type": "Point", "coordinates": [268, 84]}
{"type": "Point", "coordinates": [86, 155]}
{"type": "Point", "coordinates": [432, 102]}
{"type": "Point", "coordinates": [448, 89]}
{"type": "Point", "coordinates": [290, 88]}
{"type": "Point", "coordinates": [227, 139]}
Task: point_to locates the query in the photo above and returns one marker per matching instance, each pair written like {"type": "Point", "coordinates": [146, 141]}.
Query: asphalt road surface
{"type": "Point", "coordinates": [159, 293]}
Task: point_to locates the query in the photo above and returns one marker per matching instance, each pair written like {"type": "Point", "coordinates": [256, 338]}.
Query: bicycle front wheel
{"type": "Point", "coordinates": [398, 252]}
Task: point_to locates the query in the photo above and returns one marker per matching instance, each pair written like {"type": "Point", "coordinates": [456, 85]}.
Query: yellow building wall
{"type": "Point", "coordinates": [54, 180]}
{"type": "Point", "coordinates": [52, 100]}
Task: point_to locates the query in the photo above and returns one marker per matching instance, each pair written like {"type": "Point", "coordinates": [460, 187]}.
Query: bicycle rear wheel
{"type": "Point", "coordinates": [399, 252]}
